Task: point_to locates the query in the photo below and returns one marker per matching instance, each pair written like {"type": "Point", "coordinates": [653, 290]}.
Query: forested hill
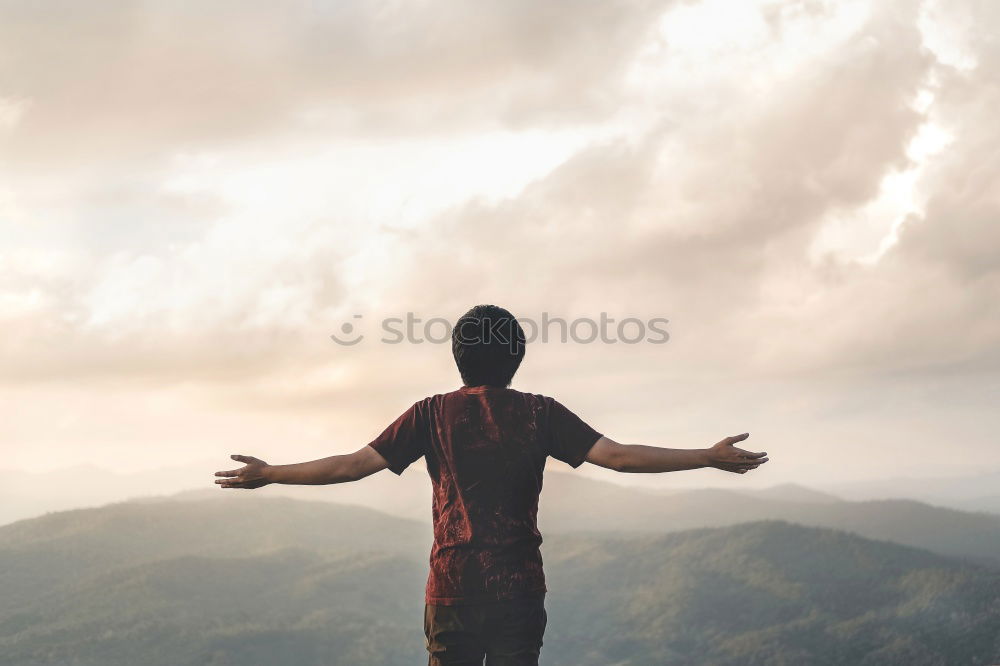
{"type": "Point", "coordinates": [261, 581]}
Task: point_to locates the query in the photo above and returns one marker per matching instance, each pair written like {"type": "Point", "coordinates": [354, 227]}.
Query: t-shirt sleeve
{"type": "Point", "coordinates": [406, 438]}
{"type": "Point", "coordinates": [570, 438]}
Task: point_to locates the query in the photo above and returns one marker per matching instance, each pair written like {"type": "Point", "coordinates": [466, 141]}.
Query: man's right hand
{"type": "Point", "coordinates": [253, 475]}
{"type": "Point", "coordinates": [723, 455]}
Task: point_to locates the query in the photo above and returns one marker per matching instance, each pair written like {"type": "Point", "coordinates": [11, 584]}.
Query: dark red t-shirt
{"type": "Point", "coordinates": [485, 449]}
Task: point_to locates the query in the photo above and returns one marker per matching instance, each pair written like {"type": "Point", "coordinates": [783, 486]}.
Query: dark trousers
{"type": "Point", "coordinates": [505, 633]}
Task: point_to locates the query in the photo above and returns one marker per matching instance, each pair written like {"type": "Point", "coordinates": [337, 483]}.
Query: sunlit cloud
{"type": "Point", "coordinates": [802, 188]}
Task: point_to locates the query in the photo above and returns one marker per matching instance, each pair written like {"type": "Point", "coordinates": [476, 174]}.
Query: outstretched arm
{"type": "Point", "coordinates": [333, 469]}
{"type": "Point", "coordinates": [638, 458]}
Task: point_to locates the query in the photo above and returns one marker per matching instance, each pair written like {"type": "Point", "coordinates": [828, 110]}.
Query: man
{"type": "Point", "coordinates": [485, 447]}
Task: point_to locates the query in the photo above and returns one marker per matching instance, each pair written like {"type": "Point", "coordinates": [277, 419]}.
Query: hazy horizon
{"type": "Point", "coordinates": [27, 494]}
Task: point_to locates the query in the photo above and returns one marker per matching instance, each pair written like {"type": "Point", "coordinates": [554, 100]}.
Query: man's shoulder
{"type": "Point", "coordinates": [534, 397]}
{"type": "Point", "coordinates": [538, 402]}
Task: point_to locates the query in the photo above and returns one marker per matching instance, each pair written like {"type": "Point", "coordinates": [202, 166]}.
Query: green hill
{"type": "Point", "coordinates": [569, 503]}
{"type": "Point", "coordinates": [52, 550]}
{"type": "Point", "coordinates": [262, 581]}
{"type": "Point", "coordinates": [767, 593]}
{"type": "Point", "coordinates": [288, 607]}
{"type": "Point", "coordinates": [574, 504]}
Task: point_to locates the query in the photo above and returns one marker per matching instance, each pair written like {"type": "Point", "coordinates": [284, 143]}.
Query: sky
{"type": "Point", "coordinates": [194, 196]}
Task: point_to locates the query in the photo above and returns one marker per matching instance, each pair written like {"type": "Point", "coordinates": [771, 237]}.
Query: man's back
{"type": "Point", "coordinates": [485, 448]}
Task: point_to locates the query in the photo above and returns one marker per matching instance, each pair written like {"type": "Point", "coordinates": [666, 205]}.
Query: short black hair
{"type": "Point", "coordinates": [488, 344]}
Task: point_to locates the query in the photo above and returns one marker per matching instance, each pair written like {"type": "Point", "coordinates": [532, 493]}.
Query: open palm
{"type": "Point", "coordinates": [725, 456]}
{"type": "Point", "coordinates": [250, 476]}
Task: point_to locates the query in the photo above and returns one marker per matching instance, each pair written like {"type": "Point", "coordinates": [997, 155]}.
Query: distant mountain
{"type": "Point", "coordinates": [575, 503]}
{"type": "Point", "coordinates": [766, 593]}
{"type": "Point", "coordinates": [983, 503]}
{"type": "Point", "coordinates": [27, 495]}
{"type": "Point", "coordinates": [572, 502]}
{"type": "Point", "coordinates": [970, 492]}
{"type": "Point", "coordinates": [577, 506]}
{"type": "Point", "coordinates": [260, 581]}
{"type": "Point", "coordinates": [291, 606]}
{"type": "Point", "coordinates": [791, 492]}
{"type": "Point", "coordinates": [30, 494]}
{"type": "Point", "coordinates": [60, 548]}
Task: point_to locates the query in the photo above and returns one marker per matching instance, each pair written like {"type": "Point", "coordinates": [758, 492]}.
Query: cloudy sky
{"type": "Point", "coordinates": [195, 195]}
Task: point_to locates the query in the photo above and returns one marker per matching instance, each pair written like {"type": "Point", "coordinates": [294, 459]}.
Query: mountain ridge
{"type": "Point", "coordinates": [250, 580]}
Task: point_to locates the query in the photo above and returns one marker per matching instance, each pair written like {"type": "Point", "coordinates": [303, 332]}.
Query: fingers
{"type": "Point", "coordinates": [743, 453]}
{"type": "Point", "coordinates": [231, 477]}
{"type": "Point", "coordinates": [736, 438]}
{"type": "Point", "coordinates": [744, 462]}
{"type": "Point", "coordinates": [741, 467]}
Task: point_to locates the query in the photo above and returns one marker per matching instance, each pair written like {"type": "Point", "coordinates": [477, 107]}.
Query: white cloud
{"type": "Point", "coordinates": [804, 188]}
{"type": "Point", "coordinates": [11, 112]}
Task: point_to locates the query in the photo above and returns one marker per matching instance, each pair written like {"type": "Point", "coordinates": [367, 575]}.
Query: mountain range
{"type": "Point", "coordinates": [241, 578]}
